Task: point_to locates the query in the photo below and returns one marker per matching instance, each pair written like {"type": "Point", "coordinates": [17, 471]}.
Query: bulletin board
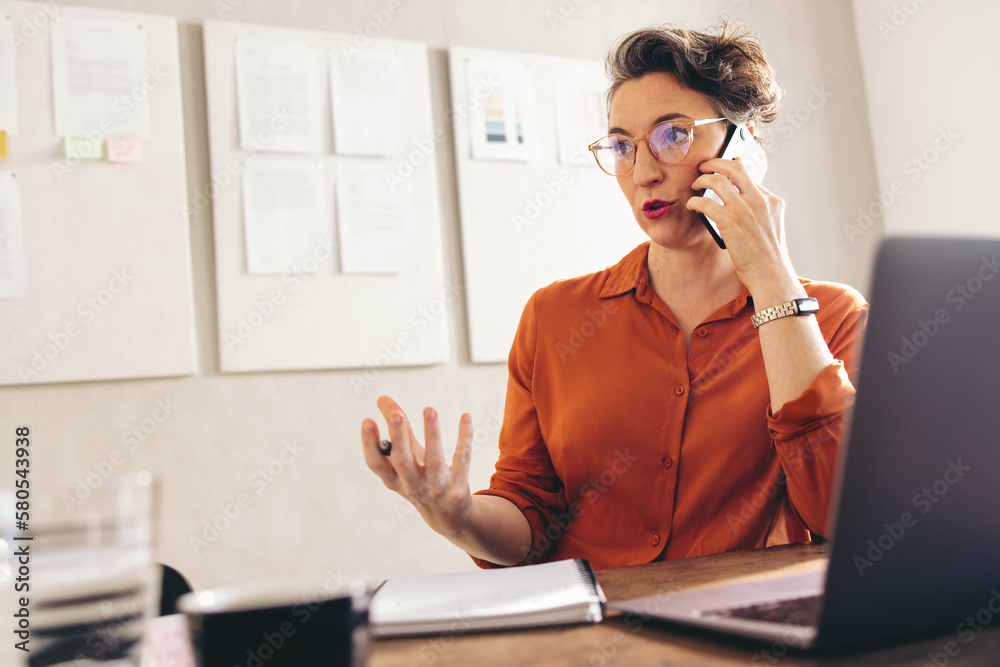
{"type": "Point", "coordinates": [107, 269]}
{"type": "Point", "coordinates": [332, 318]}
{"type": "Point", "coordinates": [528, 223]}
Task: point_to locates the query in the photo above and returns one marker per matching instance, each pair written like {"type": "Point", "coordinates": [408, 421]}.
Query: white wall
{"type": "Point", "coordinates": [930, 71]}
{"type": "Point", "coordinates": [326, 512]}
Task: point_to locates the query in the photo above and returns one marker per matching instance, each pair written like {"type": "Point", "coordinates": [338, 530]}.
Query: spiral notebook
{"type": "Point", "coordinates": [559, 593]}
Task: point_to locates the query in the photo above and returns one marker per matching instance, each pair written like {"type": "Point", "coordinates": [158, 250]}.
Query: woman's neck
{"type": "Point", "coordinates": [693, 282]}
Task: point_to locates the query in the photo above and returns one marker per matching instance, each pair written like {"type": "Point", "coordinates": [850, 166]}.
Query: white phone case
{"type": "Point", "coordinates": [740, 144]}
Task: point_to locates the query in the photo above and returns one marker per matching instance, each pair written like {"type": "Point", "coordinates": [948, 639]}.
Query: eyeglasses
{"type": "Point", "coordinates": [668, 141]}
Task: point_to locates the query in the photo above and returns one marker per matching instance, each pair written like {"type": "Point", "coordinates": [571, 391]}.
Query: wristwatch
{"type": "Point", "coordinates": [807, 306]}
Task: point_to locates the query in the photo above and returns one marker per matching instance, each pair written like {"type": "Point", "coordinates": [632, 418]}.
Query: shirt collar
{"type": "Point", "coordinates": [632, 273]}
{"type": "Point", "coordinates": [627, 274]}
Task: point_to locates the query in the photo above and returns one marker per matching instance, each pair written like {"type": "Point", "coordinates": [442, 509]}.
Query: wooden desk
{"type": "Point", "coordinates": [628, 641]}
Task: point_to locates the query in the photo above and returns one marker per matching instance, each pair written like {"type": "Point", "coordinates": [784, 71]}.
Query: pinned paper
{"type": "Point", "coordinates": [505, 125]}
{"type": "Point", "coordinates": [284, 215]}
{"type": "Point", "coordinates": [375, 219]}
{"type": "Point", "coordinates": [578, 87]}
{"type": "Point", "coordinates": [101, 79]}
{"type": "Point", "coordinates": [277, 97]}
{"type": "Point", "coordinates": [3, 144]}
{"type": "Point", "coordinates": [11, 239]}
{"type": "Point", "coordinates": [368, 89]}
{"type": "Point", "coordinates": [124, 148]}
{"type": "Point", "coordinates": [84, 146]}
{"type": "Point", "coordinates": [8, 82]}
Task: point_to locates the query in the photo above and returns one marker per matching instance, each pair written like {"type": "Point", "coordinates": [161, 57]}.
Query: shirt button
{"type": "Point", "coordinates": [655, 540]}
{"type": "Point", "coordinates": [679, 390]}
{"type": "Point", "coordinates": [703, 332]}
{"type": "Point", "coordinates": [666, 462]}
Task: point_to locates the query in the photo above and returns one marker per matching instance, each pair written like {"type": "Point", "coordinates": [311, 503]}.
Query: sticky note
{"type": "Point", "coordinates": [124, 148]}
{"type": "Point", "coordinates": [84, 146]}
{"type": "Point", "coordinates": [169, 641]}
{"type": "Point", "coordinates": [3, 144]}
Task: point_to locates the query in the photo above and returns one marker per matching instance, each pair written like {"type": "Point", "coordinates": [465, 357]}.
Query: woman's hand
{"type": "Point", "coordinates": [487, 527]}
{"type": "Point", "coordinates": [752, 223]}
{"type": "Point", "coordinates": [439, 492]}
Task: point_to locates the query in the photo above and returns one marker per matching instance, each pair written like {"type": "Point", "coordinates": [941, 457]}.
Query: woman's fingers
{"type": "Point", "coordinates": [433, 449]}
{"type": "Point", "coordinates": [374, 459]}
{"type": "Point", "coordinates": [741, 197]}
{"type": "Point", "coordinates": [387, 406]}
{"type": "Point", "coordinates": [719, 213]}
{"type": "Point", "coordinates": [731, 182]}
{"type": "Point", "coordinates": [717, 183]}
{"type": "Point", "coordinates": [401, 455]}
{"type": "Point", "coordinates": [734, 171]}
{"type": "Point", "coordinates": [463, 451]}
{"type": "Point", "coordinates": [420, 474]}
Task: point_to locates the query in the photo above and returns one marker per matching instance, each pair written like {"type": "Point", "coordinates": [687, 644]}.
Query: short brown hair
{"type": "Point", "coordinates": [727, 65]}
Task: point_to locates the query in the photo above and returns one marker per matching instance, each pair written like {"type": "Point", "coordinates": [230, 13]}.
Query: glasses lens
{"type": "Point", "coordinates": [615, 154]}
{"type": "Point", "coordinates": [670, 141]}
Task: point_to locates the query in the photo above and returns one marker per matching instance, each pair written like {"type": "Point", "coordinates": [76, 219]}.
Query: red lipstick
{"type": "Point", "coordinates": [654, 208]}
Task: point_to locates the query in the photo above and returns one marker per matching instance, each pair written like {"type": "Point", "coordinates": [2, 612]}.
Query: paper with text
{"type": "Point", "coordinates": [8, 78]}
{"type": "Point", "coordinates": [101, 81]}
{"type": "Point", "coordinates": [285, 217]}
{"type": "Point", "coordinates": [368, 93]}
{"type": "Point", "coordinates": [278, 99]}
{"type": "Point", "coordinates": [580, 115]}
{"type": "Point", "coordinates": [12, 268]}
{"type": "Point", "coordinates": [375, 219]}
{"type": "Point", "coordinates": [504, 124]}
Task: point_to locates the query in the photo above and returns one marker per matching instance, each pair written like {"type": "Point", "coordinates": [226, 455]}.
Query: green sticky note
{"type": "Point", "coordinates": [3, 144]}
{"type": "Point", "coordinates": [84, 146]}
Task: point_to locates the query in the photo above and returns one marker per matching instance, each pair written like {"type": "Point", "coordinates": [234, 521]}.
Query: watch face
{"type": "Point", "coordinates": [808, 306]}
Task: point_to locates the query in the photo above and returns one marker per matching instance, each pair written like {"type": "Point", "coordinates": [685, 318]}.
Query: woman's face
{"type": "Point", "coordinates": [637, 106]}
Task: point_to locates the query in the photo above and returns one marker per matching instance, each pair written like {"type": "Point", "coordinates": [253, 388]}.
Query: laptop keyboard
{"type": "Point", "coordinates": [796, 611]}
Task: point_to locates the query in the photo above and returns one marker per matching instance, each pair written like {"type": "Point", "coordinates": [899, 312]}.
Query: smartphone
{"type": "Point", "coordinates": [739, 144]}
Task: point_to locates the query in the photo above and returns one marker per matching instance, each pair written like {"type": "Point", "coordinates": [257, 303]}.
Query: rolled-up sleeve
{"type": "Point", "coordinates": [524, 473]}
{"type": "Point", "coordinates": [809, 430]}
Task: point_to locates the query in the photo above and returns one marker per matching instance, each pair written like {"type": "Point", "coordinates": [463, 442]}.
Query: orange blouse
{"type": "Point", "coordinates": [622, 446]}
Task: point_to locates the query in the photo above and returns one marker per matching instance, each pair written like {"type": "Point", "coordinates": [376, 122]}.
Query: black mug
{"type": "Point", "coordinates": [267, 625]}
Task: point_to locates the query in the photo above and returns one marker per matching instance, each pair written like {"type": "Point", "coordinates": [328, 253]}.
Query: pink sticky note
{"type": "Point", "coordinates": [124, 148]}
{"type": "Point", "coordinates": [168, 641]}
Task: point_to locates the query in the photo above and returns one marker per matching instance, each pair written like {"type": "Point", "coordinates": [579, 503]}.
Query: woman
{"type": "Point", "coordinates": [677, 427]}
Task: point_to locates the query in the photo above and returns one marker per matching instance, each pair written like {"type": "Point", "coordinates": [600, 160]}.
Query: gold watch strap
{"type": "Point", "coordinates": [806, 306]}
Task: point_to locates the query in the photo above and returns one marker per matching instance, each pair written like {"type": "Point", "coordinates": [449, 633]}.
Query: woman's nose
{"type": "Point", "coordinates": [648, 169]}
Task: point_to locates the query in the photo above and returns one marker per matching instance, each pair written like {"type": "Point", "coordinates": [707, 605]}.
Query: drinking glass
{"type": "Point", "coordinates": [84, 580]}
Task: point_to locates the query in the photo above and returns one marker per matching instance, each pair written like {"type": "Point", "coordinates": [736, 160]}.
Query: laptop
{"type": "Point", "coordinates": [916, 522]}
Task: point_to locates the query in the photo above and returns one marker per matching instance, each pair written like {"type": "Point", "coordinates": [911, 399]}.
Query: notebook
{"type": "Point", "coordinates": [916, 522]}
{"type": "Point", "coordinates": [558, 593]}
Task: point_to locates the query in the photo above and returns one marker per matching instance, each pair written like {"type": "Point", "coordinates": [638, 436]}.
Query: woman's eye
{"type": "Point", "coordinates": [621, 148]}
{"type": "Point", "coordinates": [676, 135]}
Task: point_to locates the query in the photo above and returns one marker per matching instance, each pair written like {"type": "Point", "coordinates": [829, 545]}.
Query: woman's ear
{"type": "Point", "coordinates": [752, 128]}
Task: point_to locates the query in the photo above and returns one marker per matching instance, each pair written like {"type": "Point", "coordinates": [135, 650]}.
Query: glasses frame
{"type": "Point", "coordinates": [689, 124]}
